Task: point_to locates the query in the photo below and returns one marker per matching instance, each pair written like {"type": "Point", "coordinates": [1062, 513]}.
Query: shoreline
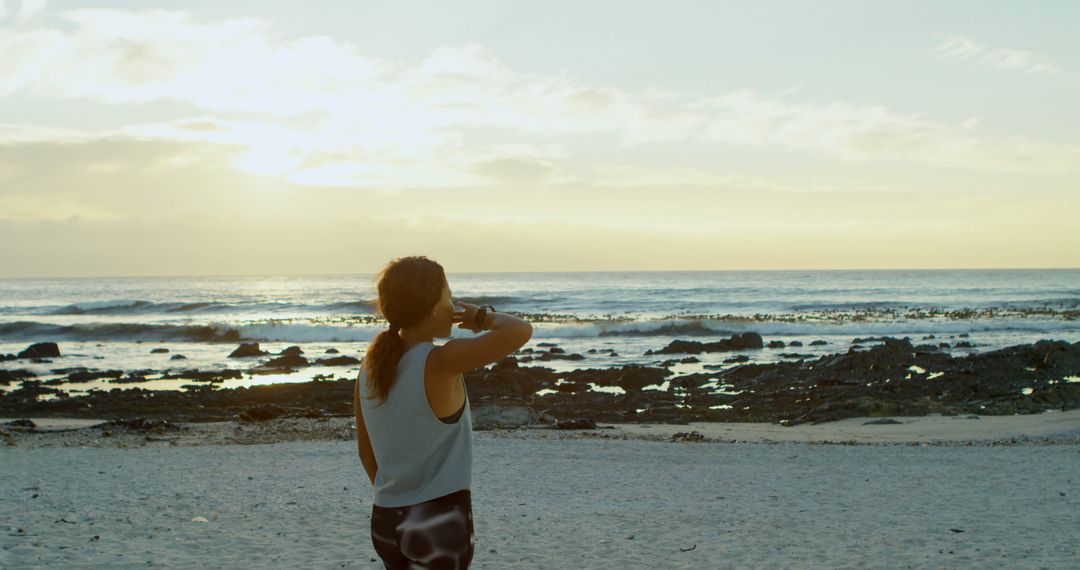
{"type": "Point", "coordinates": [1046, 428]}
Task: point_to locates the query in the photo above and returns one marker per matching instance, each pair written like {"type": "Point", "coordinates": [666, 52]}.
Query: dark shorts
{"type": "Point", "coordinates": [434, 534]}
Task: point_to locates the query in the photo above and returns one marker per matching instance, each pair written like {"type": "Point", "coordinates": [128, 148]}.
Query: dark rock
{"type": "Point", "coordinates": [818, 343]}
{"type": "Point", "coordinates": [178, 357]}
{"type": "Point", "coordinates": [131, 378]}
{"type": "Point", "coordinates": [544, 356]}
{"type": "Point", "coordinates": [159, 351]}
{"type": "Point", "coordinates": [795, 343]}
{"type": "Point", "coordinates": [24, 423]}
{"type": "Point", "coordinates": [963, 344]}
{"type": "Point", "coordinates": [209, 376]}
{"type": "Point", "coordinates": [776, 344]}
{"type": "Point", "coordinates": [882, 421]}
{"type": "Point", "coordinates": [87, 376]}
{"type": "Point", "coordinates": [736, 342]}
{"type": "Point", "coordinates": [4, 357]}
{"type": "Point", "coordinates": [506, 380]}
{"type": "Point", "coordinates": [291, 351]}
{"type": "Point", "coordinates": [247, 349]}
{"type": "Point", "coordinates": [871, 339]}
{"type": "Point", "coordinates": [1057, 357]}
{"type": "Point", "coordinates": [872, 381]}
{"type": "Point", "coordinates": [9, 376]}
{"type": "Point", "coordinates": [331, 351]}
{"type": "Point", "coordinates": [572, 387]}
{"type": "Point", "coordinates": [41, 350]}
{"type": "Point", "coordinates": [262, 413]}
{"type": "Point", "coordinates": [545, 344]}
{"type": "Point", "coordinates": [338, 361]}
{"type": "Point", "coordinates": [737, 358]}
{"type": "Point", "coordinates": [556, 350]}
{"type": "Point", "coordinates": [634, 378]}
{"type": "Point", "coordinates": [575, 423]}
{"type": "Point", "coordinates": [500, 416]}
{"type": "Point", "coordinates": [688, 436]}
{"type": "Point", "coordinates": [687, 360]}
{"type": "Point", "coordinates": [282, 363]}
{"type": "Point", "coordinates": [141, 424]}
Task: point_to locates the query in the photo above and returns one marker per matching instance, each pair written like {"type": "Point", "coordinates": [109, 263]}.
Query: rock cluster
{"type": "Point", "coordinates": [891, 378]}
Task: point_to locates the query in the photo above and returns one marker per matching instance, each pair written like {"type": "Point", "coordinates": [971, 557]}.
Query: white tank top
{"type": "Point", "coordinates": [420, 456]}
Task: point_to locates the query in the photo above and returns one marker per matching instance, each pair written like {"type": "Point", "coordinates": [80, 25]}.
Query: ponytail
{"type": "Point", "coordinates": [409, 288]}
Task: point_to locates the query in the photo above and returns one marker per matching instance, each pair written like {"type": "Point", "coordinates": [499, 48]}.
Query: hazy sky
{"type": "Point", "coordinates": [330, 137]}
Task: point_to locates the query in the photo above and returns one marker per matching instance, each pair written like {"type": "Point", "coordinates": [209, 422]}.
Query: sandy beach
{"type": "Point", "coordinates": [930, 492]}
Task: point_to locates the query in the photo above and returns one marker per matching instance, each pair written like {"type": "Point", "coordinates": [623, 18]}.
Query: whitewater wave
{"type": "Point", "coordinates": [725, 327]}
{"type": "Point", "coordinates": [1061, 303]}
{"type": "Point", "coordinates": [140, 307]}
{"type": "Point", "coordinates": [499, 299]}
{"type": "Point", "coordinates": [143, 307]}
{"type": "Point", "coordinates": [285, 332]}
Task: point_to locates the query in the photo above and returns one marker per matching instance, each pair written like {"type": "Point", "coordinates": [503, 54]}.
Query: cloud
{"type": "Point", "coordinates": [124, 205]}
{"type": "Point", "coordinates": [28, 9]}
{"type": "Point", "coordinates": [516, 170]}
{"type": "Point", "coordinates": [961, 48]}
{"type": "Point", "coordinates": [278, 243]}
{"type": "Point", "coordinates": [315, 111]}
{"type": "Point", "coordinates": [870, 132]}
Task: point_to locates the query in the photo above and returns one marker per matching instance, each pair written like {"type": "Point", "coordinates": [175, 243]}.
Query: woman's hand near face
{"type": "Point", "coordinates": [466, 318]}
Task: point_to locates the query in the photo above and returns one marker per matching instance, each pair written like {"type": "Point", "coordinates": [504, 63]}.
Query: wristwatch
{"type": "Point", "coordinates": [481, 313]}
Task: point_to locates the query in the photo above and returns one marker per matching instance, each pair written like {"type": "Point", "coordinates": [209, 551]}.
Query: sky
{"type": "Point", "coordinates": [277, 137]}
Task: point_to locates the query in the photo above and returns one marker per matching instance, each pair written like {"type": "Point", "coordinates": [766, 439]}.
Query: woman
{"type": "Point", "coordinates": [414, 429]}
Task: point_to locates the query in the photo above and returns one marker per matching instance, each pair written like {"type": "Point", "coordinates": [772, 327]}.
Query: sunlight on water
{"type": "Point", "coordinates": [608, 389]}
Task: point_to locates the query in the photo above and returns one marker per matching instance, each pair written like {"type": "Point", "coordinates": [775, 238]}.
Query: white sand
{"type": "Point", "coordinates": [543, 502]}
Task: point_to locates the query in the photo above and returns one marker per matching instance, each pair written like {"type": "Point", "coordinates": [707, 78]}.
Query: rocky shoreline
{"type": "Point", "coordinates": [875, 377]}
{"type": "Point", "coordinates": [1054, 428]}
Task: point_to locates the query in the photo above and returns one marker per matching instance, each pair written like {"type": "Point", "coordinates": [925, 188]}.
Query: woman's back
{"type": "Point", "coordinates": [420, 456]}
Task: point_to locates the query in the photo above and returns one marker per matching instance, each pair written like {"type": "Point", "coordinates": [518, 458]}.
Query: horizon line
{"type": "Point", "coordinates": [450, 273]}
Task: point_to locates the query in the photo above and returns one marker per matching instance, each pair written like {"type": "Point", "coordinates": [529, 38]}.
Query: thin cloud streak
{"type": "Point", "coordinates": [960, 48]}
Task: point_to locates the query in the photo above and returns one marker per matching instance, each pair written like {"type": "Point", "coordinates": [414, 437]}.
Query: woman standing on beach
{"type": "Point", "coordinates": [414, 429]}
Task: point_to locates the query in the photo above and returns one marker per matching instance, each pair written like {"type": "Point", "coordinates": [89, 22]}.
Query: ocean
{"type": "Point", "coordinates": [113, 323]}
